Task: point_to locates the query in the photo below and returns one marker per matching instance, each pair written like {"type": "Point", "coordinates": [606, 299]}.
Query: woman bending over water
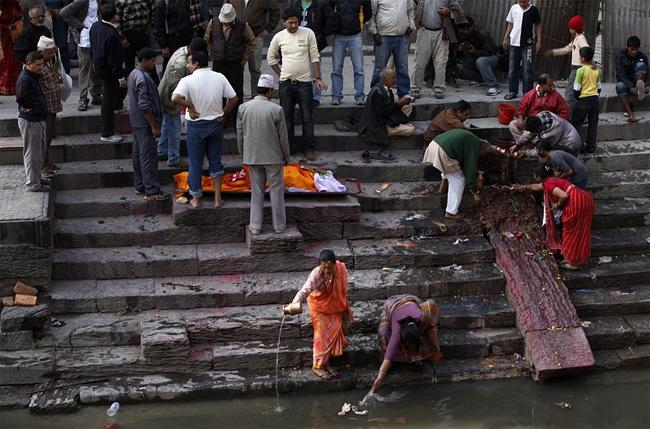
{"type": "Point", "coordinates": [408, 332]}
{"type": "Point", "coordinates": [326, 292]}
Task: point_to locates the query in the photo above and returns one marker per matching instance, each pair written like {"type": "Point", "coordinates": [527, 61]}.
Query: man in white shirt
{"type": "Point", "coordinates": [202, 94]}
{"type": "Point", "coordinates": [80, 16]}
{"type": "Point", "coordinates": [299, 50]}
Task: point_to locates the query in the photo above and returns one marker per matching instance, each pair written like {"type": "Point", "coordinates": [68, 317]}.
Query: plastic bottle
{"type": "Point", "coordinates": [113, 409]}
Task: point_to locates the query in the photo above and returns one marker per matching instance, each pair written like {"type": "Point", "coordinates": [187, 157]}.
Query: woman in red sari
{"type": "Point", "coordinates": [577, 211]}
{"type": "Point", "coordinates": [9, 66]}
{"type": "Point", "coordinates": [326, 292]}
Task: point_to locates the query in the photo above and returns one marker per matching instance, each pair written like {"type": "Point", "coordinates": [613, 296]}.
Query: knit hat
{"type": "Point", "coordinates": [576, 24]}
{"type": "Point", "coordinates": [266, 81]}
{"type": "Point", "coordinates": [227, 13]}
{"type": "Point", "coordinates": [45, 43]}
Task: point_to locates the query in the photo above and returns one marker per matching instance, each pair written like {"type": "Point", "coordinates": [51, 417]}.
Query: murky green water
{"type": "Point", "coordinates": [619, 399]}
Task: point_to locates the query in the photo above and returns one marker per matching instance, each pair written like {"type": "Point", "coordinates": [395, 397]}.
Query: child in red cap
{"type": "Point", "coordinates": [576, 28]}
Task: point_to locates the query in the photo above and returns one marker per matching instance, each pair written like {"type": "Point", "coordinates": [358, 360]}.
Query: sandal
{"type": "Point", "coordinates": [568, 266]}
{"type": "Point", "coordinates": [382, 156]}
{"type": "Point", "coordinates": [510, 96]}
{"type": "Point", "coordinates": [157, 197]}
{"type": "Point", "coordinates": [322, 373]}
{"type": "Point", "coordinates": [365, 157]}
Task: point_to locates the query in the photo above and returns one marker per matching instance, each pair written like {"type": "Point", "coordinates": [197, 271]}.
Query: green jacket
{"type": "Point", "coordinates": [465, 147]}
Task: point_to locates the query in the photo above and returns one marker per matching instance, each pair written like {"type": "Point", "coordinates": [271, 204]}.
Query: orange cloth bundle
{"type": "Point", "coordinates": [295, 176]}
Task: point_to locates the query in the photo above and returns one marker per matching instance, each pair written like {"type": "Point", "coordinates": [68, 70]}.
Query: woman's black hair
{"type": "Point", "coordinates": [327, 256]}
{"type": "Point", "coordinates": [542, 171]}
{"type": "Point", "coordinates": [410, 337]}
{"type": "Point", "coordinates": [461, 106]}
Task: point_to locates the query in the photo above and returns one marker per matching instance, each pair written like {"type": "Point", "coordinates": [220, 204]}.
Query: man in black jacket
{"type": "Point", "coordinates": [345, 23]}
{"type": "Point", "coordinates": [31, 121]}
{"type": "Point", "coordinates": [479, 55]}
{"type": "Point", "coordinates": [33, 31]}
{"type": "Point", "coordinates": [383, 117]}
{"type": "Point", "coordinates": [108, 58]}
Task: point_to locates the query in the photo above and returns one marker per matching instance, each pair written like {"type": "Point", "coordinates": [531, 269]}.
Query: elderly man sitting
{"type": "Point", "coordinates": [549, 127]}
{"type": "Point", "coordinates": [383, 117]}
{"type": "Point", "coordinates": [453, 117]}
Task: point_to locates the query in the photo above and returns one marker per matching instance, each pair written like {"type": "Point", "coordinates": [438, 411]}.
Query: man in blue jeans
{"type": "Point", "coordinates": [479, 55]}
{"type": "Point", "coordinates": [391, 23]}
{"type": "Point", "coordinates": [298, 48]}
{"type": "Point", "coordinates": [631, 75]}
{"type": "Point", "coordinates": [347, 35]}
{"type": "Point", "coordinates": [524, 31]}
{"type": "Point", "coordinates": [202, 94]}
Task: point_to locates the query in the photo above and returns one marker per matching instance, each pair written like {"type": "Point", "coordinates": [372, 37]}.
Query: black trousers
{"type": "Point", "coordinates": [586, 108]}
{"type": "Point", "coordinates": [112, 98]}
{"type": "Point", "coordinates": [234, 72]}
{"type": "Point", "coordinates": [137, 40]}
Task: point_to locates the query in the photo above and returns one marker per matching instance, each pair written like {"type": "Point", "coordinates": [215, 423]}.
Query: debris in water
{"type": "Point", "coordinates": [604, 259]}
{"type": "Point", "coordinates": [516, 356]}
{"type": "Point", "coordinates": [563, 405]}
{"type": "Point", "coordinates": [346, 408]}
{"type": "Point", "coordinates": [414, 217]}
{"type": "Point", "coordinates": [585, 323]}
{"type": "Point", "coordinates": [113, 409]}
{"type": "Point", "coordinates": [647, 239]}
{"type": "Point", "coordinates": [621, 292]}
{"type": "Point", "coordinates": [400, 420]}
{"type": "Point", "coordinates": [461, 240]}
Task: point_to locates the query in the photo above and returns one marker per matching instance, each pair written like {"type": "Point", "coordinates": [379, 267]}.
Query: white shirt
{"type": "Point", "coordinates": [205, 89]}
{"type": "Point", "coordinates": [523, 22]}
{"type": "Point", "coordinates": [299, 50]}
{"type": "Point", "coordinates": [91, 18]}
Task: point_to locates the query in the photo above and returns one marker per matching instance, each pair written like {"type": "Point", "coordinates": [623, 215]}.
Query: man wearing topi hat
{"type": "Point", "coordinates": [231, 43]}
{"type": "Point", "coordinates": [50, 80]}
{"type": "Point", "coordinates": [264, 146]}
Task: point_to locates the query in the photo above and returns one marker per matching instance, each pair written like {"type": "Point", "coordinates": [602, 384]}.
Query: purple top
{"type": "Point", "coordinates": [393, 349]}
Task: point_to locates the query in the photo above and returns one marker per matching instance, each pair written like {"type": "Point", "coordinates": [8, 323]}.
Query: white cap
{"type": "Point", "coordinates": [45, 43]}
{"type": "Point", "coordinates": [227, 13]}
{"type": "Point", "coordinates": [266, 81]}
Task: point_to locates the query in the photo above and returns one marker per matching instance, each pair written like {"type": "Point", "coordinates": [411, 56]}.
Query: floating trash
{"type": "Point", "coordinates": [461, 240]}
{"type": "Point", "coordinates": [604, 259]}
{"type": "Point", "coordinates": [585, 323]}
{"type": "Point", "coordinates": [564, 405]}
{"type": "Point", "coordinates": [347, 408]}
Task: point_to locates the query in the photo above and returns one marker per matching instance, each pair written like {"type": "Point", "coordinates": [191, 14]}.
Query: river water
{"type": "Point", "coordinates": [617, 399]}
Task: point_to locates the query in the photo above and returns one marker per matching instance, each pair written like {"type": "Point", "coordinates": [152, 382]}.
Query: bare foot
{"type": "Point", "coordinates": [631, 119]}
{"type": "Point", "coordinates": [568, 266]}
{"type": "Point", "coordinates": [218, 203]}
{"type": "Point", "coordinates": [443, 186]}
{"type": "Point", "coordinates": [322, 373]}
{"type": "Point", "coordinates": [195, 203]}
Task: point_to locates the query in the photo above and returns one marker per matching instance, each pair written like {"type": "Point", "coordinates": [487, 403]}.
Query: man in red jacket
{"type": "Point", "coordinates": [542, 98]}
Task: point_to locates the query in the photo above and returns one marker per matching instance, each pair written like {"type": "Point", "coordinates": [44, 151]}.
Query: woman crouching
{"type": "Point", "coordinates": [326, 292]}
{"type": "Point", "coordinates": [408, 332]}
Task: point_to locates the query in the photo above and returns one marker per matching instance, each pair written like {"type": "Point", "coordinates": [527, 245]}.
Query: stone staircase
{"type": "Point", "coordinates": [163, 301]}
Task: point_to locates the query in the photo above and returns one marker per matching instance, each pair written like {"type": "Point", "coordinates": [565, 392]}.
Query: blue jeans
{"type": "Point", "coordinates": [169, 142]}
{"type": "Point", "coordinates": [521, 63]}
{"type": "Point", "coordinates": [301, 93]}
{"type": "Point", "coordinates": [640, 72]}
{"type": "Point", "coordinates": [204, 138]}
{"type": "Point", "coordinates": [398, 46]}
{"type": "Point", "coordinates": [354, 45]}
{"type": "Point", "coordinates": [486, 67]}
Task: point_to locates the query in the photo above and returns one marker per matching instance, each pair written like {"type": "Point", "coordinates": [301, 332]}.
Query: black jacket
{"type": "Point", "coordinates": [625, 67]}
{"type": "Point", "coordinates": [316, 18]}
{"type": "Point", "coordinates": [28, 40]}
{"type": "Point", "coordinates": [29, 96]}
{"type": "Point", "coordinates": [380, 110]}
{"type": "Point", "coordinates": [481, 41]}
{"type": "Point", "coordinates": [106, 50]}
{"type": "Point", "coordinates": [344, 16]}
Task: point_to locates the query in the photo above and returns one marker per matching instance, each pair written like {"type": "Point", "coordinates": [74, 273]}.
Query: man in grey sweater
{"type": "Point", "coordinates": [145, 115]}
{"type": "Point", "coordinates": [264, 146]}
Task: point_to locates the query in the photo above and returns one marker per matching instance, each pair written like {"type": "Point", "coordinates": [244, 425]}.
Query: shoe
{"type": "Point", "coordinates": [452, 82]}
{"type": "Point", "coordinates": [493, 91]}
{"type": "Point", "coordinates": [157, 197]}
{"type": "Point", "coordinates": [416, 92]}
{"type": "Point", "coordinates": [361, 101]}
{"type": "Point", "coordinates": [590, 149]}
{"type": "Point", "coordinates": [40, 188]}
{"type": "Point", "coordinates": [336, 101]}
{"type": "Point", "coordinates": [82, 107]}
{"type": "Point", "coordinates": [315, 103]}
{"type": "Point", "coordinates": [383, 156]}
{"type": "Point", "coordinates": [439, 94]}
{"type": "Point", "coordinates": [510, 96]}
{"type": "Point", "coordinates": [281, 231]}
{"type": "Point", "coordinates": [139, 192]}
{"type": "Point", "coordinates": [640, 90]}
{"type": "Point", "coordinates": [96, 102]}
{"type": "Point", "coordinates": [456, 216]}
{"type": "Point", "coordinates": [179, 164]}
{"type": "Point", "coordinates": [53, 167]}
{"type": "Point", "coordinates": [254, 231]}
{"type": "Point", "coordinates": [119, 108]}
{"type": "Point", "coordinates": [474, 83]}
{"type": "Point", "coordinates": [162, 158]}
{"type": "Point", "coordinates": [365, 157]}
{"type": "Point", "coordinates": [46, 182]}
{"type": "Point", "coordinates": [112, 139]}
{"type": "Point", "coordinates": [47, 174]}
{"type": "Point", "coordinates": [310, 154]}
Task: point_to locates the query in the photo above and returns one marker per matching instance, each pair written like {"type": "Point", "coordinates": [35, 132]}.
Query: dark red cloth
{"type": "Point", "coordinates": [532, 104]}
{"type": "Point", "coordinates": [9, 66]}
{"type": "Point", "coordinates": [577, 216]}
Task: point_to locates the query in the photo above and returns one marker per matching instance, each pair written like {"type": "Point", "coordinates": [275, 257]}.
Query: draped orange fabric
{"type": "Point", "coordinates": [328, 307]}
{"type": "Point", "coordinates": [294, 177]}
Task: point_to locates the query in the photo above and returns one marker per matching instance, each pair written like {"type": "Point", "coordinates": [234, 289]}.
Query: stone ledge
{"type": "Point", "coordinates": [271, 242]}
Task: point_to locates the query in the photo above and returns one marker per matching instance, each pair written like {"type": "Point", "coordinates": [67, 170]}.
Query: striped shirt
{"type": "Point", "coordinates": [51, 81]}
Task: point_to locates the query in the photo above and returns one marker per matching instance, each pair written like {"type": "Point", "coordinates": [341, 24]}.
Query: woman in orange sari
{"type": "Point", "coordinates": [326, 292]}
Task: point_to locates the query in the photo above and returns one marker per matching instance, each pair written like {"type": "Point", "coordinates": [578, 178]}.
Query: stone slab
{"type": "Point", "coordinates": [74, 296]}
{"type": "Point", "coordinates": [420, 253]}
{"type": "Point", "coordinates": [24, 216]}
{"type": "Point", "coordinates": [271, 242]}
{"type": "Point", "coordinates": [640, 323]}
{"type": "Point", "coordinates": [625, 212]}
{"type": "Point", "coordinates": [620, 241]}
{"type": "Point", "coordinates": [608, 333]}
{"type": "Point", "coordinates": [321, 231]}
{"type": "Point", "coordinates": [96, 330]}
{"type": "Point", "coordinates": [622, 270]}
{"type": "Point", "coordinates": [164, 341]}
{"type": "Point", "coordinates": [106, 202]}
{"type": "Point", "coordinates": [612, 301]}
{"type": "Point", "coordinates": [16, 318]}
{"type": "Point", "coordinates": [635, 356]}
{"type": "Point", "coordinates": [195, 292]}
{"type": "Point", "coordinates": [55, 401]}
{"type": "Point", "coordinates": [26, 366]}
{"type": "Point", "coordinates": [25, 262]}
{"type": "Point", "coordinates": [16, 396]}
{"type": "Point", "coordinates": [558, 352]}
{"type": "Point", "coordinates": [124, 262]}
{"type": "Point", "coordinates": [93, 362]}
{"type": "Point", "coordinates": [19, 340]}
{"type": "Point", "coordinates": [125, 295]}
{"type": "Point", "coordinates": [606, 359]}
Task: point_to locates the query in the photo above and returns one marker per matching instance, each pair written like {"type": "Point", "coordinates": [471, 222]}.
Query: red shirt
{"type": "Point", "coordinates": [533, 103]}
{"type": "Point", "coordinates": [555, 182]}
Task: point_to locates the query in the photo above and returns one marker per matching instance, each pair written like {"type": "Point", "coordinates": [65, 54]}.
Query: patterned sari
{"type": "Point", "coordinates": [328, 307]}
{"type": "Point", "coordinates": [9, 66]}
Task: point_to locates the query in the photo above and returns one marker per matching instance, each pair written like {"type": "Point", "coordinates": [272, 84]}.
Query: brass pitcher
{"type": "Point", "coordinates": [293, 308]}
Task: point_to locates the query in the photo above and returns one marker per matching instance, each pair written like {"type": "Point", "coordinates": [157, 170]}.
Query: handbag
{"type": "Point", "coordinates": [66, 84]}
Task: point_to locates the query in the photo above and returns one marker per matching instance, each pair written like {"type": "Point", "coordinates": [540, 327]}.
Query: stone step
{"type": "Point", "coordinates": [183, 260]}
{"type": "Point", "coordinates": [637, 356]}
{"type": "Point", "coordinates": [626, 212]}
{"type": "Point", "coordinates": [613, 332]}
{"type": "Point", "coordinates": [145, 230]}
{"type": "Point", "coordinates": [614, 184]}
{"type": "Point", "coordinates": [128, 295]}
{"type": "Point", "coordinates": [106, 202]}
{"type": "Point", "coordinates": [620, 241]}
{"type": "Point", "coordinates": [260, 322]}
{"type": "Point", "coordinates": [612, 301]}
{"type": "Point", "coordinates": [269, 241]}
{"type": "Point", "coordinates": [622, 270]}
